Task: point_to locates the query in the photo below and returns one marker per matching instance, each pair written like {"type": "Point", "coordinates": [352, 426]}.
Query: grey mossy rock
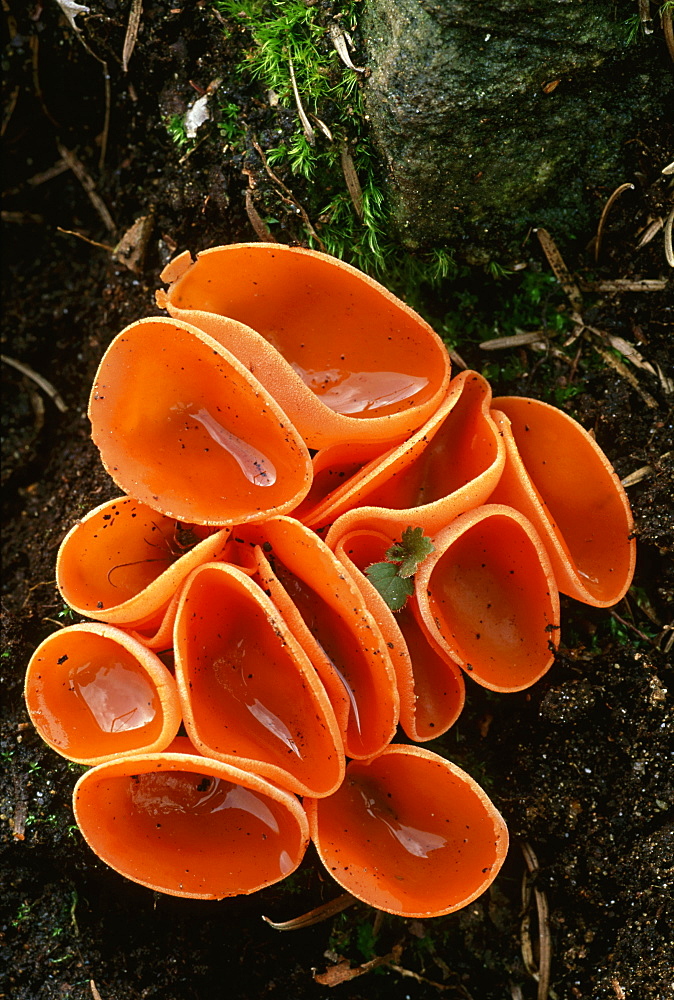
{"type": "Point", "coordinates": [479, 142]}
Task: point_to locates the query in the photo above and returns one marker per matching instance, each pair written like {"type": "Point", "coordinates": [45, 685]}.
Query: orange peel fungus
{"type": "Point", "coordinates": [188, 825]}
{"type": "Point", "coordinates": [345, 358]}
{"type": "Point", "coordinates": [94, 692]}
{"type": "Point", "coordinates": [258, 573]}
{"type": "Point", "coordinates": [410, 833]}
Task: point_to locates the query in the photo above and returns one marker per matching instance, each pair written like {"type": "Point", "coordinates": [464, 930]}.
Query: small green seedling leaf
{"type": "Point", "coordinates": [394, 590]}
{"type": "Point", "coordinates": [410, 551]}
{"type": "Point", "coordinates": [392, 578]}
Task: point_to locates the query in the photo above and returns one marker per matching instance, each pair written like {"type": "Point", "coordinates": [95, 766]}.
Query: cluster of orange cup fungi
{"type": "Point", "coordinates": [273, 437]}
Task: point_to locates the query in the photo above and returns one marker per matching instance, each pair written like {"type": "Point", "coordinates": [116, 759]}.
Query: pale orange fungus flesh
{"type": "Point", "coordinates": [431, 688]}
{"type": "Point", "coordinates": [183, 426]}
{"type": "Point", "coordinates": [187, 825]}
{"type": "Point", "coordinates": [487, 598]}
{"type": "Point", "coordinates": [449, 466]}
{"type": "Point", "coordinates": [345, 358]}
{"type": "Point", "coordinates": [409, 833]}
{"type": "Point", "coordinates": [324, 610]}
{"type": "Point", "coordinates": [559, 478]}
{"type": "Point", "coordinates": [93, 693]}
{"type": "Point", "coordinates": [249, 693]}
{"type": "Point", "coordinates": [124, 561]}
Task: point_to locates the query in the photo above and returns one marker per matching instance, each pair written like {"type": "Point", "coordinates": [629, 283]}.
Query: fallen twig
{"type": "Point", "coordinates": [94, 990]}
{"type": "Point", "coordinates": [516, 340]}
{"type": "Point", "coordinates": [561, 271]}
{"type": "Point", "coordinates": [626, 284]}
{"type": "Point", "coordinates": [131, 32]}
{"type": "Point", "coordinates": [642, 635]}
{"type": "Point", "coordinates": [9, 110]}
{"type": "Point", "coordinates": [604, 215]}
{"type": "Point", "coordinates": [87, 183]}
{"type": "Point", "coordinates": [257, 222]}
{"type": "Point", "coordinates": [338, 39]}
{"type": "Point", "coordinates": [668, 29]}
{"type": "Point", "coordinates": [40, 380]}
{"type": "Point", "coordinates": [352, 182]}
{"type": "Point", "coordinates": [307, 127]}
{"type": "Point", "coordinates": [315, 916]}
{"type": "Point", "coordinates": [289, 196]}
{"type": "Point", "coordinates": [619, 367]}
{"type": "Point", "coordinates": [544, 940]}
{"type": "Point", "coordinates": [651, 230]}
{"type": "Point", "coordinates": [22, 217]}
{"type": "Point", "coordinates": [635, 477]}
{"type": "Point", "coordinates": [85, 239]}
{"type": "Point", "coordinates": [669, 252]}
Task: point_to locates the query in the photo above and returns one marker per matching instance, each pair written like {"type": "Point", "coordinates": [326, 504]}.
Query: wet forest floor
{"type": "Point", "coordinates": [579, 765]}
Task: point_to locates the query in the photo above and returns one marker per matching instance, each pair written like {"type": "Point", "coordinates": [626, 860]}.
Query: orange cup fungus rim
{"type": "Point", "coordinates": [95, 832]}
{"type": "Point", "coordinates": [40, 673]}
{"type": "Point", "coordinates": [493, 863]}
{"type": "Point", "coordinates": [320, 424]}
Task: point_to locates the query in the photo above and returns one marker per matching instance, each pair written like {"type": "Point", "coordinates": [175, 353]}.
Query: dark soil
{"type": "Point", "coordinates": [580, 765]}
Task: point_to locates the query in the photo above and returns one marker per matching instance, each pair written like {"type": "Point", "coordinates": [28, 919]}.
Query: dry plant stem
{"type": "Point", "coordinates": [339, 41]}
{"type": "Point", "coordinates": [561, 271]}
{"type": "Point", "coordinates": [307, 127]}
{"type": "Point", "coordinates": [645, 16]}
{"type": "Point", "coordinates": [352, 182]}
{"type": "Point", "coordinates": [22, 218]}
{"type": "Point", "coordinates": [94, 990]}
{"type": "Point", "coordinates": [650, 232]}
{"type": "Point", "coordinates": [46, 386]}
{"type": "Point", "coordinates": [642, 635]}
{"type": "Point", "coordinates": [289, 196]}
{"type": "Point", "coordinates": [626, 284]}
{"type": "Point", "coordinates": [544, 941]}
{"type": "Point", "coordinates": [315, 916]}
{"type": "Point", "coordinates": [604, 215]}
{"type": "Point", "coordinates": [81, 236]}
{"type": "Point", "coordinates": [622, 370]}
{"type": "Point", "coordinates": [131, 32]}
{"type": "Point", "coordinates": [669, 252]}
{"type": "Point", "coordinates": [457, 359]}
{"type": "Point", "coordinates": [9, 111]}
{"type": "Point", "coordinates": [87, 183]}
{"type": "Point", "coordinates": [59, 168]}
{"type": "Point", "coordinates": [256, 221]}
{"type": "Point", "coordinates": [635, 477]}
{"type": "Point", "coordinates": [668, 31]}
{"type": "Point", "coordinates": [323, 127]}
{"type": "Point", "coordinates": [409, 974]}
{"type": "Point", "coordinates": [34, 43]}
{"type": "Point", "coordinates": [517, 340]}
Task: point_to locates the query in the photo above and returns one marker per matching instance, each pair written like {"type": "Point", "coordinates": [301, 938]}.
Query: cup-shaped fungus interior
{"type": "Point", "coordinates": [326, 613]}
{"type": "Point", "coordinates": [432, 690]}
{"type": "Point", "coordinates": [577, 502]}
{"type": "Point", "coordinates": [248, 689]}
{"type": "Point", "coordinates": [123, 562]}
{"type": "Point", "coordinates": [94, 692]}
{"type": "Point", "coordinates": [462, 449]}
{"type": "Point", "coordinates": [189, 826]}
{"type": "Point", "coordinates": [487, 597]}
{"type": "Point", "coordinates": [182, 426]}
{"type": "Point", "coordinates": [358, 348]}
{"type": "Point", "coordinates": [448, 466]}
{"type": "Point", "coordinates": [409, 833]}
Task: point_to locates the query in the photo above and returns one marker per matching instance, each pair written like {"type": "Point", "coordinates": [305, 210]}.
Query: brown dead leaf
{"type": "Point", "coordinates": [132, 247]}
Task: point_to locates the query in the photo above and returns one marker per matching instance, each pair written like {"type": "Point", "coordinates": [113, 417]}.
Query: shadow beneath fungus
{"type": "Point", "coordinates": [577, 764]}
